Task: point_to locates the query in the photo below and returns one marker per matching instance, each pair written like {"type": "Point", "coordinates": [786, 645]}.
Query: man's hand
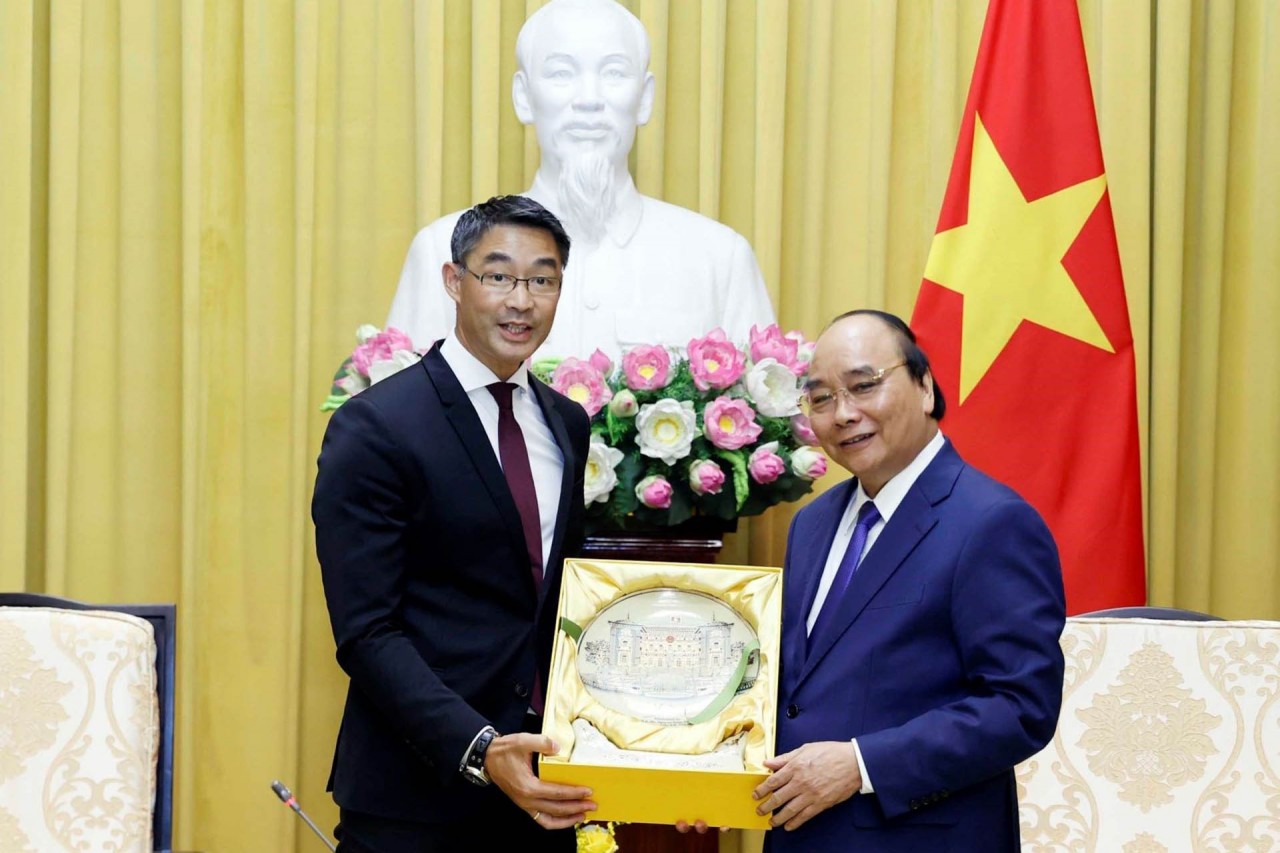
{"type": "Point", "coordinates": [807, 781]}
{"type": "Point", "coordinates": [509, 763]}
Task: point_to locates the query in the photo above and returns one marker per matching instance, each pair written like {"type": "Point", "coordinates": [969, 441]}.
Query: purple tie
{"type": "Point", "coordinates": [515, 465]}
{"type": "Point", "coordinates": [868, 515]}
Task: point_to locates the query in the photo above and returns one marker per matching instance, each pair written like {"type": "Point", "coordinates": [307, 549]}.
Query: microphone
{"type": "Point", "coordinates": [286, 797]}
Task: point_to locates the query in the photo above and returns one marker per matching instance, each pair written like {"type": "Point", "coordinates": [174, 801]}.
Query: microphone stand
{"type": "Point", "coordinates": [286, 797]}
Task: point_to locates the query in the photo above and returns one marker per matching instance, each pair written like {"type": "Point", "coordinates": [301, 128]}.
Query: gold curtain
{"type": "Point", "coordinates": [201, 200]}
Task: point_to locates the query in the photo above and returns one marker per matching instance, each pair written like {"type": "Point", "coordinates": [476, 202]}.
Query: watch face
{"type": "Point", "coordinates": [667, 655]}
{"type": "Point", "coordinates": [475, 777]}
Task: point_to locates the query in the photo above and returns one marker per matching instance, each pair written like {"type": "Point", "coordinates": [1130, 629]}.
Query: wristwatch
{"type": "Point", "coordinates": [473, 762]}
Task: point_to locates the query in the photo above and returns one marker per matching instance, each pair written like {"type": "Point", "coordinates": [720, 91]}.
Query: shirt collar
{"type": "Point", "coordinates": [627, 215]}
{"type": "Point", "coordinates": [892, 493]}
{"type": "Point", "coordinates": [472, 373]}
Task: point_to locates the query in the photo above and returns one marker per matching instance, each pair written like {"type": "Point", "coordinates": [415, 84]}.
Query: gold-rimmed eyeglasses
{"type": "Point", "coordinates": [820, 400]}
{"type": "Point", "coordinates": [502, 282]}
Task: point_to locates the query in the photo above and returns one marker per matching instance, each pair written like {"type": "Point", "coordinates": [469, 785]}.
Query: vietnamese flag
{"type": "Point", "coordinates": [1022, 308]}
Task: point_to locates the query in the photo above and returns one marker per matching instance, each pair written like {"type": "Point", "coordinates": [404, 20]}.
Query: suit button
{"type": "Point", "coordinates": [915, 805]}
{"type": "Point", "coordinates": [793, 711]}
{"type": "Point", "coordinates": [522, 691]}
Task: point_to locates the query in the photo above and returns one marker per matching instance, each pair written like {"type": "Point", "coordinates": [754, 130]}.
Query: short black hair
{"type": "Point", "coordinates": [519, 210]}
{"type": "Point", "coordinates": [916, 361]}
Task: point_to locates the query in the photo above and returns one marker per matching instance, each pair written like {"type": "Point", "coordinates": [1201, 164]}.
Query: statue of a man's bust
{"type": "Point", "coordinates": [643, 271]}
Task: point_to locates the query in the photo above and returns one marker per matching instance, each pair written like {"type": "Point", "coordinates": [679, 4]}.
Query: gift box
{"type": "Point", "coordinates": [663, 688]}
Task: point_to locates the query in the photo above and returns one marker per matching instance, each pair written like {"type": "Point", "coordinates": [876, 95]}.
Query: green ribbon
{"type": "Point", "coordinates": [573, 629]}
{"type": "Point", "coordinates": [731, 689]}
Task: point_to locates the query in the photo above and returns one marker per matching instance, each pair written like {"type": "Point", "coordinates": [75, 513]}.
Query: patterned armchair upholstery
{"type": "Point", "coordinates": [81, 735]}
{"type": "Point", "coordinates": [1169, 741]}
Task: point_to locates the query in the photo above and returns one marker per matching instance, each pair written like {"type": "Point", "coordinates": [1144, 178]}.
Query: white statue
{"type": "Point", "coordinates": [642, 270]}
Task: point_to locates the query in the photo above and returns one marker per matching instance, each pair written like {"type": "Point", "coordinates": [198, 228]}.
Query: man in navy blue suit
{"type": "Point", "coordinates": [922, 608]}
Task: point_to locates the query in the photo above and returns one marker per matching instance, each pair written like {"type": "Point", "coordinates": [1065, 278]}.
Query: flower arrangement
{"type": "Point", "coordinates": [378, 354]}
{"type": "Point", "coordinates": [714, 430]}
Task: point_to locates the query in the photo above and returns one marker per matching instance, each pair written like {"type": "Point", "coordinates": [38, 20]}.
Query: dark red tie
{"type": "Point", "coordinates": [515, 465]}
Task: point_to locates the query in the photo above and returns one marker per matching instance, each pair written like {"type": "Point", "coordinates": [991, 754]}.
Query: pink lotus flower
{"type": "Point", "coordinates": [705, 477]}
{"type": "Point", "coordinates": [647, 368]}
{"type": "Point", "coordinates": [583, 383]}
{"type": "Point", "coordinates": [770, 343]}
{"type": "Point", "coordinates": [714, 361]}
{"type": "Point", "coordinates": [804, 349]}
{"type": "Point", "coordinates": [654, 492]}
{"type": "Point", "coordinates": [765, 465]}
{"type": "Point", "coordinates": [802, 429]}
{"type": "Point", "coordinates": [730, 423]}
{"type": "Point", "coordinates": [601, 362]}
{"type": "Point", "coordinates": [380, 347]}
{"type": "Point", "coordinates": [808, 463]}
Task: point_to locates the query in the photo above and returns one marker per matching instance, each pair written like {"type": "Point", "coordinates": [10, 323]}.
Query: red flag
{"type": "Point", "coordinates": [1022, 309]}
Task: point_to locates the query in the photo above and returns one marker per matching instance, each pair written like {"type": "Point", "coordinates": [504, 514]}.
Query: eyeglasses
{"type": "Point", "coordinates": [821, 401]}
{"type": "Point", "coordinates": [501, 282]}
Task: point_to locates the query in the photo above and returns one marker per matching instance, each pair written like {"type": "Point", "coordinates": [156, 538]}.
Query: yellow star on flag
{"type": "Point", "coordinates": [1007, 261]}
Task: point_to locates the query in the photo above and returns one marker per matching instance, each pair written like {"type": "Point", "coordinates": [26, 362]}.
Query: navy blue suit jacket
{"type": "Point", "coordinates": [430, 594]}
{"type": "Point", "coordinates": [943, 661]}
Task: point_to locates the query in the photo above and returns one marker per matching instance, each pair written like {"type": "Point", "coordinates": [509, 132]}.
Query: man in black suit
{"type": "Point", "coordinates": [446, 499]}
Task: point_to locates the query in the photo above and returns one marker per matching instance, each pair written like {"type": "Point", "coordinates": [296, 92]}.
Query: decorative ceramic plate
{"type": "Point", "coordinates": [668, 656]}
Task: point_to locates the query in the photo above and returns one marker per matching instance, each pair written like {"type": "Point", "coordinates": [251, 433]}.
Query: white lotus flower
{"type": "Point", "coordinates": [601, 476]}
{"type": "Point", "coordinates": [400, 359]}
{"type": "Point", "coordinates": [774, 388]}
{"type": "Point", "coordinates": [667, 428]}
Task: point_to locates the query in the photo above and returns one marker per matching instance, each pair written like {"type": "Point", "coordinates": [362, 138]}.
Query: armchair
{"type": "Point", "coordinates": [1169, 738]}
{"type": "Point", "coordinates": [86, 725]}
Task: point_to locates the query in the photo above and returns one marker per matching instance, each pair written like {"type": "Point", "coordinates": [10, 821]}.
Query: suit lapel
{"type": "Point", "coordinates": [808, 561]}
{"type": "Point", "coordinates": [466, 424]}
{"type": "Point", "coordinates": [911, 522]}
{"type": "Point", "coordinates": [554, 420]}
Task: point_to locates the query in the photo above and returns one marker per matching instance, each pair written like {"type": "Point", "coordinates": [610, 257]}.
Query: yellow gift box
{"type": "Point", "coordinates": [660, 795]}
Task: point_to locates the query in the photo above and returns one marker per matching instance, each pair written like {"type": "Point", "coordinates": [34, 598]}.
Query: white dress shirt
{"type": "Point", "coordinates": [545, 459]}
{"type": "Point", "coordinates": [887, 502]}
{"type": "Point", "coordinates": [660, 275]}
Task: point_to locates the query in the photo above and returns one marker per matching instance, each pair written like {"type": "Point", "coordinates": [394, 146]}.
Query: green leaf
{"type": "Point", "coordinates": [544, 367]}
{"type": "Point", "coordinates": [741, 482]}
{"type": "Point", "coordinates": [775, 429]}
{"type": "Point", "coordinates": [617, 429]}
{"type": "Point", "coordinates": [333, 401]}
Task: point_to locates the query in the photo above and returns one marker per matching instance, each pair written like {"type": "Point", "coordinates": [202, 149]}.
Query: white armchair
{"type": "Point", "coordinates": [1169, 741]}
{"type": "Point", "coordinates": [80, 727]}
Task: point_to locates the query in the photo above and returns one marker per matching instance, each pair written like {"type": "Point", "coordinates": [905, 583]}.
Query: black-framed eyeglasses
{"type": "Point", "coordinates": [823, 401]}
{"type": "Point", "coordinates": [502, 282]}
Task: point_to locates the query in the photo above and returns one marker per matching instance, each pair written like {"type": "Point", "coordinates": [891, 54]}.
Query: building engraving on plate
{"type": "Point", "coordinates": [668, 664]}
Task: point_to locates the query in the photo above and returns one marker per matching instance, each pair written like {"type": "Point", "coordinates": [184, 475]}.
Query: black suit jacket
{"type": "Point", "coordinates": [429, 589]}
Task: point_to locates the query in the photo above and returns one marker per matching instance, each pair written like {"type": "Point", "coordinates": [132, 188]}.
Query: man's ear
{"type": "Point", "coordinates": [927, 382]}
{"type": "Point", "coordinates": [452, 281]}
{"type": "Point", "coordinates": [520, 97]}
{"type": "Point", "coordinates": [646, 100]}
